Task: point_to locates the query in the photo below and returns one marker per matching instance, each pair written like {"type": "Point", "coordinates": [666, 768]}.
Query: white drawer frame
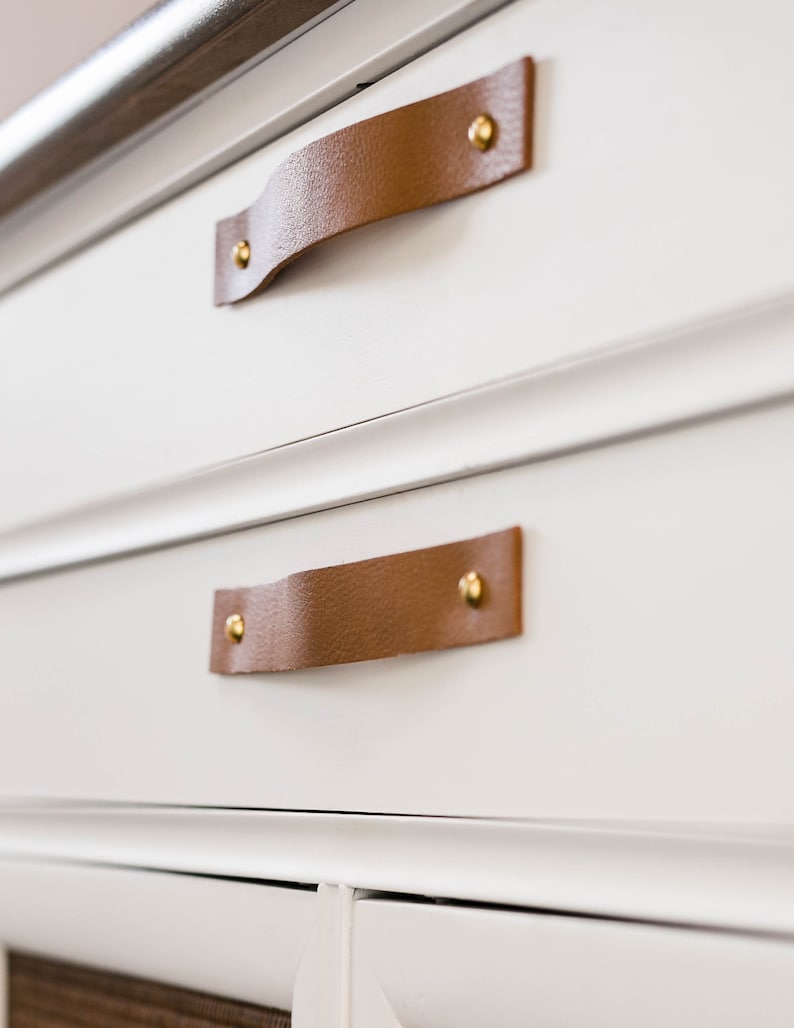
{"type": "Point", "coordinates": [425, 966]}
{"type": "Point", "coordinates": [658, 581]}
{"type": "Point", "coordinates": [618, 235]}
{"type": "Point", "coordinates": [712, 913]}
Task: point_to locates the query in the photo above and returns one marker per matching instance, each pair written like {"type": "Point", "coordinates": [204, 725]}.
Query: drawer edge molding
{"type": "Point", "coordinates": [458, 594]}
{"type": "Point", "coordinates": [739, 877]}
{"type": "Point", "coordinates": [417, 156]}
{"type": "Point", "coordinates": [739, 359]}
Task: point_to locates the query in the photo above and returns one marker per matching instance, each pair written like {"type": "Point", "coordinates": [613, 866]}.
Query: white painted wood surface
{"type": "Point", "coordinates": [660, 195]}
{"type": "Point", "coordinates": [722, 365]}
{"type": "Point", "coordinates": [658, 584]}
{"type": "Point", "coordinates": [639, 279]}
{"type": "Point", "coordinates": [235, 939]}
{"type": "Point", "coordinates": [423, 966]}
{"type": "Point", "coordinates": [732, 877]}
{"type": "Point", "coordinates": [322, 988]}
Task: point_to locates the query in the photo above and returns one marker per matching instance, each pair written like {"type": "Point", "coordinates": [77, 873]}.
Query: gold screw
{"type": "Point", "coordinates": [471, 588]}
{"type": "Point", "coordinates": [482, 132]}
{"type": "Point", "coordinates": [235, 628]}
{"type": "Point", "coordinates": [241, 253]}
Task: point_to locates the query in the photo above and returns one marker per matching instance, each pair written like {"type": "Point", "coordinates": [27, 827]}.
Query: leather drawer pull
{"type": "Point", "coordinates": [454, 595]}
{"type": "Point", "coordinates": [416, 156]}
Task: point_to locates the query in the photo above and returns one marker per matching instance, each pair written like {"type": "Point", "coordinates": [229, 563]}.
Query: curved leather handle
{"type": "Point", "coordinates": [453, 595]}
{"type": "Point", "coordinates": [413, 157]}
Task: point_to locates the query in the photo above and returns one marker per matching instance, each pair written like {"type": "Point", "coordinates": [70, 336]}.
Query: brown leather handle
{"type": "Point", "coordinates": [414, 157]}
{"type": "Point", "coordinates": [453, 595]}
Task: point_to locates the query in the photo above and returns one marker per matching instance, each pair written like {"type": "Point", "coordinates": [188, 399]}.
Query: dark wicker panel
{"type": "Point", "coordinates": [50, 994]}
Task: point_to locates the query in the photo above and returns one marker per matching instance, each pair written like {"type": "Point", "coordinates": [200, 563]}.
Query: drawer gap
{"type": "Point", "coordinates": [579, 915]}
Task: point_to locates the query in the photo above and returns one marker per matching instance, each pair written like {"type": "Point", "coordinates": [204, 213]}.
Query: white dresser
{"type": "Point", "coordinates": [590, 822]}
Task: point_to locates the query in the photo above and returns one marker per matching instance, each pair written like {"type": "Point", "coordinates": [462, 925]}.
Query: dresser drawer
{"type": "Point", "coordinates": [241, 940]}
{"type": "Point", "coordinates": [652, 680]}
{"type": "Point", "coordinates": [659, 194]}
{"type": "Point", "coordinates": [448, 967]}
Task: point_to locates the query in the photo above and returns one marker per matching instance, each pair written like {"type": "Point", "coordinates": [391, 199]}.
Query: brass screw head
{"type": "Point", "coordinates": [241, 253]}
{"type": "Point", "coordinates": [234, 628]}
{"type": "Point", "coordinates": [482, 132]}
{"type": "Point", "coordinates": [471, 588]}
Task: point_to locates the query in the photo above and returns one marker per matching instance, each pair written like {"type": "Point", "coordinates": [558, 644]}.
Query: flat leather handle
{"type": "Point", "coordinates": [410, 158]}
{"type": "Point", "coordinates": [453, 595]}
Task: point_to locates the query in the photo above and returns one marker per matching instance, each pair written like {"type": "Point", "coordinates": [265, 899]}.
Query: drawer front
{"type": "Point", "coordinates": [659, 194]}
{"type": "Point", "coordinates": [448, 967]}
{"type": "Point", "coordinates": [652, 679]}
{"type": "Point", "coordinates": [227, 938]}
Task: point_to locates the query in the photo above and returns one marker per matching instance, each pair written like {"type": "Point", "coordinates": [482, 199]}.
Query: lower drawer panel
{"type": "Point", "coordinates": [653, 679]}
{"type": "Point", "coordinates": [442, 967]}
{"type": "Point", "coordinates": [234, 939]}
